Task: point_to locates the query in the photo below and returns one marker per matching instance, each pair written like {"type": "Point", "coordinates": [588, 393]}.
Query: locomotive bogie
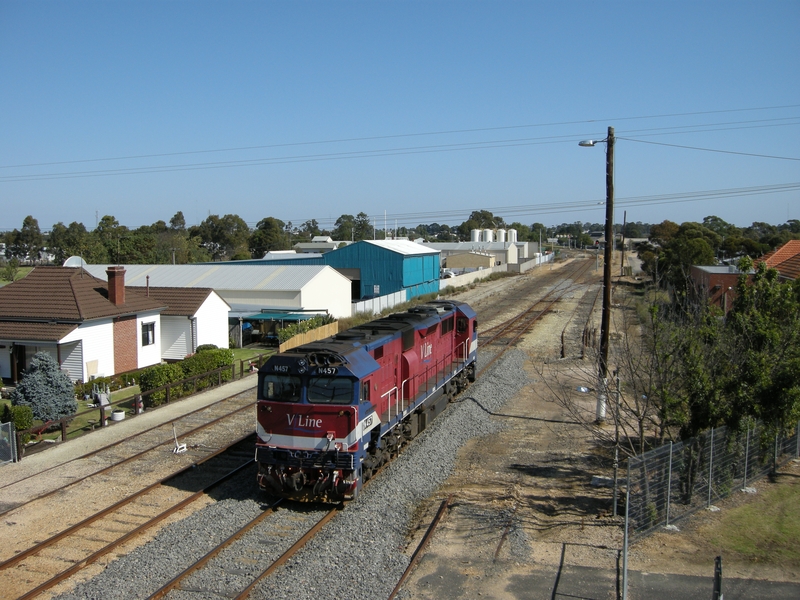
{"type": "Point", "coordinates": [332, 412]}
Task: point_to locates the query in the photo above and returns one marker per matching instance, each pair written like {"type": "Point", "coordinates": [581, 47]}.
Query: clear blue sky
{"type": "Point", "coordinates": [253, 101]}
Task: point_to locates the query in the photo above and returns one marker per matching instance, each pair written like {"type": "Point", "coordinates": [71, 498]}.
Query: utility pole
{"type": "Point", "coordinates": [605, 322]}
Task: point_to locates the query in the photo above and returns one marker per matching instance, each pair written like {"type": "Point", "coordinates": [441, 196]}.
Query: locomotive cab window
{"type": "Point", "coordinates": [365, 391]}
{"type": "Point", "coordinates": [462, 323]}
{"type": "Point", "coordinates": [283, 388]}
{"type": "Point", "coordinates": [330, 390]}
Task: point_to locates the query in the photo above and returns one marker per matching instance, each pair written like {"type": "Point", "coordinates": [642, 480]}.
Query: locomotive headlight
{"type": "Point", "coordinates": [301, 369]}
{"type": "Point", "coordinates": [301, 362]}
{"type": "Point", "coordinates": [338, 446]}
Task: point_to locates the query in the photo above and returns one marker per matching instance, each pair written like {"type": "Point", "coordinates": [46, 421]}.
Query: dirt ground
{"type": "Point", "coordinates": [523, 500]}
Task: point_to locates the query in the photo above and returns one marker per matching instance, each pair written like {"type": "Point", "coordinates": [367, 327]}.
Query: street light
{"type": "Point", "coordinates": [605, 322]}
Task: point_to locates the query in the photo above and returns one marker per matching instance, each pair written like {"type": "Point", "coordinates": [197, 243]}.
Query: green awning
{"type": "Point", "coordinates": [280, 316]}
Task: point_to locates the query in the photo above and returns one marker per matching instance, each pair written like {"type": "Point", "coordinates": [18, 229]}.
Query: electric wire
{"type": "Point", "coordinates": [401, 135]}
{"type": "Point", "coordinates": [452, 147]}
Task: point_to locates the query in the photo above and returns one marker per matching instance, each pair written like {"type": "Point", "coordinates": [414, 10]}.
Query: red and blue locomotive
{"type": "Point", "coordinates": [332, 412]}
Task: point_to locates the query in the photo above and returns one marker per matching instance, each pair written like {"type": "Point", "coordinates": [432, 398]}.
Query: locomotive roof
{"type": "Point", "coordinates": [418, 317]}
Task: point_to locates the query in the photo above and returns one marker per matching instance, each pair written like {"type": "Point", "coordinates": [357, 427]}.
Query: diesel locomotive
{"type": "Point", "coordinates": [331, 412]}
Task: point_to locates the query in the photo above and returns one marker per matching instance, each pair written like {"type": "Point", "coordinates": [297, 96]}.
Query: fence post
{"type": "Point", "coordinates": [717, 578]}
{"type": "Point", "coordinates": [797, 438]}
{"type": "Point", "coordinates": [746, 456]}
{"type": "Point", "coordinates": [625, 536]}
{"type": "Point", "coordinates": [775, 457]}
{"type": "Point", "coordinates": [669, 483]}
{"type": "Point", "coordinates": [64, 429]}
{"type": "Point", "coordinates": [710, 466]}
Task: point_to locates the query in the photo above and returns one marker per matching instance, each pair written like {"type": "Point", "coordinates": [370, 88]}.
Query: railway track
{"type": "Point", "coordinates": [507, 333]}
{"type": "Point", "coordinates": [205, 574]}
{"type": "Point", "coordinates": [54, 479]}
{"type": "Point", "coordinates": [503, 336]}
{"type": "Point", "coordinates": [53, 560]}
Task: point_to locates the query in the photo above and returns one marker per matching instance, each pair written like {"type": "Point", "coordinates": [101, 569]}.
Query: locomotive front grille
{"type": "Point", "coordinates": [309, 459]}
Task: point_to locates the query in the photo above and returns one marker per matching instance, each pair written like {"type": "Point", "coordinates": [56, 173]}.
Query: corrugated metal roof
{"type": "Point", "coordinates": [221, 276]}
{"type": "Point", "coordinates": [402, 247]}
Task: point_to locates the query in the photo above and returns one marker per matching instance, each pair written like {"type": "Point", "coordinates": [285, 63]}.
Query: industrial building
{"type": "Point", "coordinates": [249, 288]}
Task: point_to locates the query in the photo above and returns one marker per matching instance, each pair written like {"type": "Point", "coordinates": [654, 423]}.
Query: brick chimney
{"type": "Point", "coordinates": [116, 285]}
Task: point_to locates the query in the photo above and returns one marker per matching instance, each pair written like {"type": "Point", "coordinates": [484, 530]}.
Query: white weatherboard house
{"type": "Point", "coordinates": [249, 288]}
{"type": "Point", "coordinates": [92, 328]}
{"type": "Point", "coordinates": [193, 317]}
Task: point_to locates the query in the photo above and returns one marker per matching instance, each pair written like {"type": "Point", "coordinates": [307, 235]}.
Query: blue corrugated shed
{"type": "Point", "coordinates": [389, 266]}
{"type": "Point", "coordinates": [385, 266]}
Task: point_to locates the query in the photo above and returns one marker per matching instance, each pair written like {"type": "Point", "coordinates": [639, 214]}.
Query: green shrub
{"type": "Point", "coordinates": [21, 416]}
{"type": "Point", "coordinates": [205, 362]}
{"type": "Point", "coordinates": [155, 377]}
{"type": "Point", "coordinates": [205, 347]}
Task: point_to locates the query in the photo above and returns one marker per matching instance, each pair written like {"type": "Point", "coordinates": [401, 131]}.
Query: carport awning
{"type": "Point", "coordinates": [280, 316]}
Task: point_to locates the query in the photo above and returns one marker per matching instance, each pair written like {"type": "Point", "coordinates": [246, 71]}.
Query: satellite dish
{"type": "Point", "coordinates": [75, 261]}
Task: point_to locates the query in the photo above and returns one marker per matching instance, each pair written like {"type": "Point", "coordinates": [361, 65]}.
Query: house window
{"type": "Point", "coordinates": [148, 334]}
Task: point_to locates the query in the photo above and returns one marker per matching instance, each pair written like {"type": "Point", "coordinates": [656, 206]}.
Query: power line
{"type": "Point", "coordinates": [530, 210]}
{"type": "Point", "coordinates": [710, 149]}
{"type": "Point", "coordinates": [400, 135]}
{"type": "Point", "coordinates": [409, 150]}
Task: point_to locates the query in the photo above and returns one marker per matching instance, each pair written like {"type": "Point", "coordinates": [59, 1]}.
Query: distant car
{"type": "Point", "coordinates": [447, 275]}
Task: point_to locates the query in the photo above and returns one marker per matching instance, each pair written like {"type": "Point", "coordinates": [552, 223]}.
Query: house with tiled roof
{"type": "Point", "coordinates": [192, 317]}
{"type": "Point", "coordinates": [92, 328]}
{"type": "Point", "coordinates": [785, 260]}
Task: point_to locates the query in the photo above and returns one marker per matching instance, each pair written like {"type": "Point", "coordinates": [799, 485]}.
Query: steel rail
{"type": "Point", "coordinates": [129, 458]}
{"type": "Point", "coordinates": [307, 536]}
{"type": "Point", "coordinates": [517, 327]}
{"type": "Point", "coordinates": [78, 565]}
{"type": "Point", "coordinates": [110, 509]}
{"type": "Point", "coordinates": [578, 270]}
{"type": "Point", "coordinates": [175, 582]}
{"type": "Point", "coordinates": [422, 545]}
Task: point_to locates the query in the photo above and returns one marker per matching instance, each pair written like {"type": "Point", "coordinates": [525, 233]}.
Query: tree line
{"type": "Point", "coordinates": [229, 237]}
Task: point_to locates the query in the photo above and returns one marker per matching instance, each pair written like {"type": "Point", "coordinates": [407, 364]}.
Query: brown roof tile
{"type": "Point", "coordinates": [37, 332]}
{"type": "Point", "coordinates": [179, 301]}
{"type": "Point", "coordinates": [66, 294]}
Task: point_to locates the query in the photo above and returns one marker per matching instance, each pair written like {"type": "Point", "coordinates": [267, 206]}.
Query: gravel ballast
{"type": "Point", "coordinates": [358, 555]}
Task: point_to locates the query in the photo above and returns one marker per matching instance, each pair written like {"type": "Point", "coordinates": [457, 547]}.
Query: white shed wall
{"type": "Point", "coordinates": [264, 298]}
{"type": "Point", "coordinates": [176, 337]}
{"type": "Point", "coordinates": [329, 290]}
{"type": "Point", "coordinates": [98, 345]}
{"type": "Point", "coordinates": [212, 322]}
{"type": "Point", "coordinates": [148, 355]}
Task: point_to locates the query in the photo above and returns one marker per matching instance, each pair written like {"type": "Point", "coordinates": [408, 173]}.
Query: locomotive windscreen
{"type": "Point", "coordinates": [283, 388]}
{"type": "Point", "coordinates": [330, 390]}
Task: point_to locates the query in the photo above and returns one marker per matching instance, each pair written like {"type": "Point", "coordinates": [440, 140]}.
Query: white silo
{"type": "Point", "coordinates": [488, 235]}
{"type": "Point", "coordinates": [501, 235]}
{"type": "Point", "coordinates": [512, 236]}
{"type": "Point", "coordinates": [475, 235]}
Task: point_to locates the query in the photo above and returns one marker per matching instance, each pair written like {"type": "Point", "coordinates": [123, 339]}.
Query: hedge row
{"type": "Point", "coordinates": [205, 361]}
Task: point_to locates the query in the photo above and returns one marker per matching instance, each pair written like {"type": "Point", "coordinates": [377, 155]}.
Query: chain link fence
{"type": "Point", "coordinates": [676, 480]}
{"type": "Point", "coordinates": [8, 445]}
